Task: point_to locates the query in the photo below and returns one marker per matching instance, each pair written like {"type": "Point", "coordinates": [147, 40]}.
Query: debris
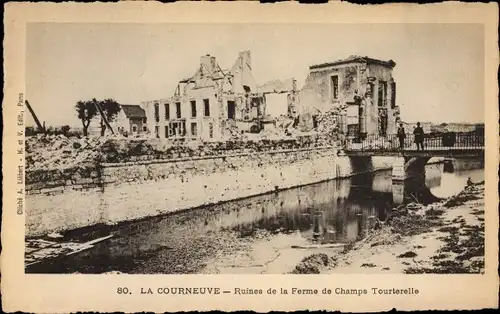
{"type": "Point", "coordinates": [39, 250]}
{"type": "Point", "coordinates": [54, 235]}
{"type": "Point", "coordinates": [368, 265]}
{"type": "Point", "coordinates": [434, 212]}
{"type": "Point", "coordinates": [313, 264]}
{"type": "Point", "coordinates": [448, 229]}
{"type": "Point", "coordinates": [408, 254]}
{"type": "Point", "coordinates": [319, 246]}
{"type": "Point", "coordinates": [468, 194]}
{"type": "Point", "coordinates": [44, 152]}
{"type": "Point", "coordinates": [411, 224]}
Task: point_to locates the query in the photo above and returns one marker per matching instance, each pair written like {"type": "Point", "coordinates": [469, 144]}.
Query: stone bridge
{"type": "Point", "coordinates": [409, 162]}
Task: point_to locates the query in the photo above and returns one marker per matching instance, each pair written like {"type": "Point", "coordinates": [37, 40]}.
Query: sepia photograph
{"type": "Point", "coordinates": [239, 156]}
{"type": "Point", "coordinates": [254, 148]}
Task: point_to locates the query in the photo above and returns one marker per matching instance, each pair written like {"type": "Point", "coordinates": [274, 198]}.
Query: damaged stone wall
{"type": "Point", "coordinates": [141, 189]}
{"type": "Point", "coordinates": [375, 74]}
{"type": "Point", "coordinates": [317, 92]}
{"type": "Point", "coordinates": [130, 179]}
{"type": "Point", "coordinates": [351, 84]}
{"type": "Point", "coordinates": [348, 83]}
{"type": "Point", "coordinates": [124, 191]}
{"type": "Point", "coordinates": [316, 101]}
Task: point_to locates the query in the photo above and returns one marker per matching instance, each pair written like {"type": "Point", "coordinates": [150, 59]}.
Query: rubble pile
{"type": "Point", "coordinates": [47, 152]}
{"type": "Point", "coordinates": [383, 236]}
{"type": "Point", "coordinates": [414, 218]}
{"type": "Point", "coordinates": [411, 224]}
{"type": "Point", "coordinates": [124, 150]}
{"type": "Point", "coordinates": [272, 132]}
{"type": "Point", "coordinates": [286, 125]}
{"type": "Point", "coordinates": [231, 131]}
{"type": "Point", "coordinates": [57, 153]}
{"type": "Point", "coordinates": [313, 264]}
{"type": "Point", "coordinates": [328, 122]}
{"type": "Point", "coordinates": [283, 127]}
{"type": "Point", "coordinates": [120, 150]}
{"type": "Point", "coordinates": [328, 126]}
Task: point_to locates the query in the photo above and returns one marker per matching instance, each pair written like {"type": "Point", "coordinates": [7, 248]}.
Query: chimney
{"type": "Point", "coordinates": [246, 58]}
{"type": "Point", "coordinates": [207, 62]}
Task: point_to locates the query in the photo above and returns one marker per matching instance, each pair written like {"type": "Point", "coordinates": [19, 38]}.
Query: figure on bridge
{"type": "Point", "coordinates": [401, 136]}
{"type": "Point", "coordinates": [418, 132]}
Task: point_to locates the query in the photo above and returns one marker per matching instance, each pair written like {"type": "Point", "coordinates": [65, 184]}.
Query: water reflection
{"type": "Point", "coordinates": [332, 211]}
{"type": "Point", "coordinates": [455, 175]}
{"type": "Point", "coordinates": [448, 166]}
{"type": "Point", "coordinates": [418, 188]}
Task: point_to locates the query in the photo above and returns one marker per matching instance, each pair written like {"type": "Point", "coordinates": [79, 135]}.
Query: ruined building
{"type": "Point", "coordinates": [212, 103]}
{"type": "Point", "coordinates": [362, 89]}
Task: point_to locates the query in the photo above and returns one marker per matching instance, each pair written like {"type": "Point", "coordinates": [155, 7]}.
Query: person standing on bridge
{"type": "Point", "coordinates": [418, 132]}
{"type": "Point", "coordinates": [401, 136]}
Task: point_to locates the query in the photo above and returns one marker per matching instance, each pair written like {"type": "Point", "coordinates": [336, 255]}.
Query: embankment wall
{"type": "Point", "coordinates": [115, 192]}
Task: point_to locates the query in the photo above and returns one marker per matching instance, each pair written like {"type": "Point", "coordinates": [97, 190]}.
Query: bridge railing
{"type": "Point", "coordinates": [441, 141]}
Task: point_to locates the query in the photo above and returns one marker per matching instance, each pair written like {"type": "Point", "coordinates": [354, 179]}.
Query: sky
{"type": "Point", "coordinates": [439, 67]}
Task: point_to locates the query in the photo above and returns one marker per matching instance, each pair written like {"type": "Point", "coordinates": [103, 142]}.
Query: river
{"type": "Point", "coordinates": [256, 235]}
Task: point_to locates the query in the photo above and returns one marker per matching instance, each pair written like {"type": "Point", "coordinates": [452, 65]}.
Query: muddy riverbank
{"type": "Point", "coordinates": [443, 237]}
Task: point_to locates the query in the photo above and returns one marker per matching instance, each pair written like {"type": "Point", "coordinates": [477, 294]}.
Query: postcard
{"type": "Point", "coordinates": [246, 156]}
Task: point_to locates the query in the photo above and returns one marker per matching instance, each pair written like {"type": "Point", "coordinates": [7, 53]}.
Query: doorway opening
{"type": "Point", "coordinates": [231, 109]}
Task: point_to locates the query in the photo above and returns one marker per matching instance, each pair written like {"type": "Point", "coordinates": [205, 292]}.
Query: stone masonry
{"type": "Point", "coordinates": [134, 190]}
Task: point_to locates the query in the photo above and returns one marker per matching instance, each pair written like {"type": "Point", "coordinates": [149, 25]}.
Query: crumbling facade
{"type": "Point", "coordinates": [281, 97]}
{"type": "Point", "coordinates": [362, 88]}
{"type": "Point", "coordinates": [210, 104]}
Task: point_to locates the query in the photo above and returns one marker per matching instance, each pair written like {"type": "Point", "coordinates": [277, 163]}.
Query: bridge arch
{"type": "Point", "coordinates": [414, 167]}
